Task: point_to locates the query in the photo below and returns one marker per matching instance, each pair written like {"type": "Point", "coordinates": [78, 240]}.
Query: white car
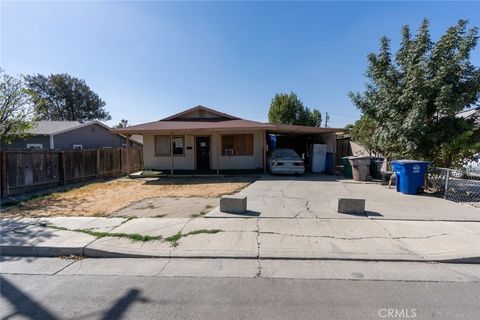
{"type": "Point", "coordinates": [470, 169]}
{"type": "Point", "coordinates": [286, 161]}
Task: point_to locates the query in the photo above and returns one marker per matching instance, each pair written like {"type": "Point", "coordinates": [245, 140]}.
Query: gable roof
{"type": "Point", "coordinates": [47, 127]}
{"type": "Point", "coordinates": [171, 126]}
{"type": "Point", "coordinates": [200, 107]}
{"type": "Point", "coordinates": [178, 122]}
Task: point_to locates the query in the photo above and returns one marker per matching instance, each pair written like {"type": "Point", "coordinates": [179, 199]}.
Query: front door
{"type": "Point", "coordinates": [203, 153]}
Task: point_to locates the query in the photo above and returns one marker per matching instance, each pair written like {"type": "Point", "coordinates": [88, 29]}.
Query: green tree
{"type": "Point", "coordinates": [415, 95]}
{"type": "Point", "coordinates": [16, 112]}
{"type": "Point", "coordinates": [63, 97]}
{"type": "Point", "coordinates": [365, 132]}
{"type": "Point", "coordinates": [289, 109]}
{"type": "Point", "coordinates": [122, 124]}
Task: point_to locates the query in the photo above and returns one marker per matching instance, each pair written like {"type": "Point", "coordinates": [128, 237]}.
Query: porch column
{"type": "Point", "coordinates": [171, 153]}
{"type": "Point", "coordinates": [219, 149]}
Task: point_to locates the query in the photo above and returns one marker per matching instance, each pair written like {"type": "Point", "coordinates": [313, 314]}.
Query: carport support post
{"type": "Point", "coordinates": [265, 151]}
{"type": "Point", "coordinates": [171, 153]}
{"type": "Point", "coordinates": [218, 152]}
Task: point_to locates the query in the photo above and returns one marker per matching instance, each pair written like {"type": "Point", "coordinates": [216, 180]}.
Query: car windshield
{"type": "Point", "coordinates": [285, 153]}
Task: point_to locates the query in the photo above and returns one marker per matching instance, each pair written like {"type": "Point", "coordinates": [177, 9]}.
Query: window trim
{"type": "Point", "coordinates": [35, 146]}
{"type": "Point", "coordinates": [183, 149]}
{"type": "Point", "coordinates": [222, 150]}
{"type": "Point", "coordinates": [76, 146]}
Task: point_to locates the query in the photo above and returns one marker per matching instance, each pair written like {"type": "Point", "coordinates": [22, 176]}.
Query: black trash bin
{"type": "Point", "coordinates": [375, 168]}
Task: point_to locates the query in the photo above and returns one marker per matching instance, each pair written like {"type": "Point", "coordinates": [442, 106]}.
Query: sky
{"type": "Point", "coordinates": [149, 60]}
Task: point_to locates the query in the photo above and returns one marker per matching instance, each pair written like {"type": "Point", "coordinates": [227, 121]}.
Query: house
{"type": "Point", "coordinates": [70, 135]}
{"type": "Point", "coordinates": [201, 139]}
{"type": "Point", "coordinates": [471, 114]}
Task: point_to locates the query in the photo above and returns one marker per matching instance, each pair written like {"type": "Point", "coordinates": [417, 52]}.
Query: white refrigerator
{"type": "Point", "coordinates": [318, 155]}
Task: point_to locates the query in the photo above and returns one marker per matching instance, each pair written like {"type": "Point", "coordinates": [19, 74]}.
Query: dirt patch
{"type": "Point", "coordinates": [192, 207]}
{"type": "Point", "coordinates": [104, 198]}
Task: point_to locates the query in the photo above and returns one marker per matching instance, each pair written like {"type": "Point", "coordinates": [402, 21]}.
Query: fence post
{"type": "Point", "coordinates": [97, 166]}
{"type": "Point", "coordinates": [128, 160]}
{"type": "Point", "coordinates": [61, 168]}
{"type": "Point", "coordinates": [83, 165]}
{"type": "Point", "coordinates": [447, 175]}
{"type": "Point", "coordinates": [4, 182]}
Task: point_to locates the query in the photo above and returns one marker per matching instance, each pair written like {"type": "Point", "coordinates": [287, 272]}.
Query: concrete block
{"type": "Point", "coordinates": [350, 205]}
{"type": "Point", "coordinates": [233, 204]}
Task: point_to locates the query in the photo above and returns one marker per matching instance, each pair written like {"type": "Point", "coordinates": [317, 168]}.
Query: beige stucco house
{"type": "Point", "coordinates": [205, 140]}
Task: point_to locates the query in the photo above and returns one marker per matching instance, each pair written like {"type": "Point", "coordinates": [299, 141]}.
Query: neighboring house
{"type": "Point", "coordinates": [66, 135]}
{"type": "Point", "coordinates": [204, 139]}
{"type": "Point", "coordinates": [473, 113]}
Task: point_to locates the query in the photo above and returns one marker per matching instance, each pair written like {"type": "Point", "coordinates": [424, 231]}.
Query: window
{"type": "Point", "coordinates": [162, 146]}
{"type": "Point", "coordinates": [34, 146]}
{"type": "Point", "coordinates": [77, 147]}
{"type": "Point", "coordinates": [177, 145]}
{"type": "Point", "coordinates": [237, 145]}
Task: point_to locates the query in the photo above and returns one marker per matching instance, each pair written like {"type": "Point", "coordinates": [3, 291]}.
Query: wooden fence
{"type": "Point", "coordinates": [343, 150]}
{"type": "Point", "coordinates": [30, 170]}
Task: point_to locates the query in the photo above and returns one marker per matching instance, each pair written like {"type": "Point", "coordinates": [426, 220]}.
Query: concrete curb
{"type": "Point", "coordinates": [26, 251]}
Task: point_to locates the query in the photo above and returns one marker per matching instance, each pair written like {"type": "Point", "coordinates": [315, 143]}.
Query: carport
{"type": "Point", "coordinates": [299, 138]}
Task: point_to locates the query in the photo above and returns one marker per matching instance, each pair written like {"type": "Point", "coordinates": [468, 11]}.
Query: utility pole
{"type": "Point", "coordinates": [327, 117]}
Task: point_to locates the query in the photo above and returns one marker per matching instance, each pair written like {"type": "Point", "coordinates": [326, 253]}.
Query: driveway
{"type": "Point", "coordinates": [314, 196]}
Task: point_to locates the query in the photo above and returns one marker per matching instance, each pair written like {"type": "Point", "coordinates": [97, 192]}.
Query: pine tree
{"type": "Point", "coordinates": [414, 96]}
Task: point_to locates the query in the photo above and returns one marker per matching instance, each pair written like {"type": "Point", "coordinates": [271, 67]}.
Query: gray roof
{"type": "Point", "coordinates": [473, 113]}
{"type": "Point", "coordinates": [52, 127]}
{"type": "Point", "coordinates": [137, 138]}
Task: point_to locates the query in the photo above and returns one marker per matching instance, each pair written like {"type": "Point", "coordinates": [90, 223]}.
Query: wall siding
{"type": "Point", "coordinates": [196, 114]}
{"type": "Point", "coordinates": [187, 162]}
{"type": "Point", "coordinates": [89, 140]}
{"type": "Point", "coordinates": [22, 143]}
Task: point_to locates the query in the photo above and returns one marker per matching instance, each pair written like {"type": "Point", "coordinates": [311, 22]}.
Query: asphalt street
{"type": "Point", "coordinates": [78, 295]}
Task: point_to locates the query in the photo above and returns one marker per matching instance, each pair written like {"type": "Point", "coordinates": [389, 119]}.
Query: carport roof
{"type": "Point", "coordinates": [296, 129]}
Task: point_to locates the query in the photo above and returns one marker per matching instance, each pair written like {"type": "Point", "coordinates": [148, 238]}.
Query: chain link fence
{"type": "Point", "coordinates": [454, 185]}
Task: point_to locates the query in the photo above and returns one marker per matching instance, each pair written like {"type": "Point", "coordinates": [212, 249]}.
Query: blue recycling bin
{"type": "Point", "coordinates": [329, 163]}
{"type": "Point", "coordinates": [410, 175]}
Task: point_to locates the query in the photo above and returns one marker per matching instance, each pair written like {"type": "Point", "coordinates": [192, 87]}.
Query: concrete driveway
{"type": "Point", "coordinates": [314, 196]}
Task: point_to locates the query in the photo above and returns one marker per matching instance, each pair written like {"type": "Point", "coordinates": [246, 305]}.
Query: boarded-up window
{"type": "Point", "coordinates": [237, 145]}
{"type": "Point", "coordinates": [162, 146]}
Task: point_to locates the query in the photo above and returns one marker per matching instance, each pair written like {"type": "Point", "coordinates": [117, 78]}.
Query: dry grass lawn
{"type": "Point", "coordinates": [104, 198]}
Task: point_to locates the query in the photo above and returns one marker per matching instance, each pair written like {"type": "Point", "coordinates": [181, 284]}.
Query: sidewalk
{"type": "Point", "coordinates": [251, 238]}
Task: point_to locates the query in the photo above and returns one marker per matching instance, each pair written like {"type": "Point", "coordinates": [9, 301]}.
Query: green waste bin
{"type": "Point", "coordinates": [347, 168]}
